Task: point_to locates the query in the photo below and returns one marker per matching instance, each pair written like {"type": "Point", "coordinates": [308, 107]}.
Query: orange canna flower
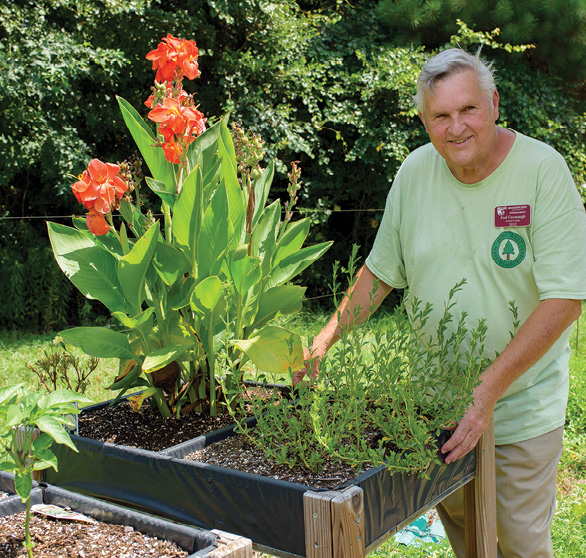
{"type": "Point", "coordinates": [173, 151]}
{"type": "Point", "coordinates": [182, 97]}
{"type": "Point", "coordinates": [100, 191]}
{"type": "Point", "coordinates": [175, 58]}
{"type": "Point", "coordinates": [172, 115]}
{"type": "Point", "coordinates": [96, 223]}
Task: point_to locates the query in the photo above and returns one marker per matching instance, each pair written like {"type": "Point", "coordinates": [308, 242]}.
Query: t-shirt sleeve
{"type": "Point", "coordinates": [386, 257]}
{"type": "Point", "coordinates": [559, 235]}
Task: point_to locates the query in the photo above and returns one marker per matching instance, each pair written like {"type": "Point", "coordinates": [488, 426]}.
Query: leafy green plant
{"type": "Point", "coordinates": [31, 423]}
{"type": "Point", "coordinates": [381, 399]}
{"type": "Point", "coordinates": [212, 274]}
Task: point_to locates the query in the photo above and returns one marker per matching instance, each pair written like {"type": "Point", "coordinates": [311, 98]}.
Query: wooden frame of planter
{"type": "Point", "coordinates": [280, 517]}
{"type": "Point", "coordinates": [334, 525]}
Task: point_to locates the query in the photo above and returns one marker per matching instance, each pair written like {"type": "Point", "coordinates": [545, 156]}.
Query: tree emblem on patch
{"type": "Point", "coordinates": [509, 249]}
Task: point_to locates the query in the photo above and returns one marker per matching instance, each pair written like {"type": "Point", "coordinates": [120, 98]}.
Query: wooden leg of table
{"type": "Point", "coordinates": [334, 524]}
{"type": "Point", "coordinates": [480, 501]}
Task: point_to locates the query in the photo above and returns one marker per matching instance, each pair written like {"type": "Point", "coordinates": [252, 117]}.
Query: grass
{"type": "Point", "coordinates": [17, 349]}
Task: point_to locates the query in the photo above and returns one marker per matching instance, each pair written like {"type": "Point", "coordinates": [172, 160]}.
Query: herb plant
{"type": "Point", "coordinates": [31, 423]}
{"type": "Point", "coordinates": [380, 400]}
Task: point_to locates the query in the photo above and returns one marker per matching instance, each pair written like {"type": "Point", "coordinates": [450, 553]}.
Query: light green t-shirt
{"type": "Point", "coordinates": [518, 235]}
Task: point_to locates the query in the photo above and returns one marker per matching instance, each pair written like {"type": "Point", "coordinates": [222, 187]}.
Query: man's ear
{"type": "Point", "coordinates": [422, 120]}
{"type": "Point", "coordinates": [495, 104]}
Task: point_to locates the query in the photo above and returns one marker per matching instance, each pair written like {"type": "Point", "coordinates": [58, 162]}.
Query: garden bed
{"type": "Point", "coordinates": [269, 511]}
{"type": "Point", "coordinates": [107, 531]}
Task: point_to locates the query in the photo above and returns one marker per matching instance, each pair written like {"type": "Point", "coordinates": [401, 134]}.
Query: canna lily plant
{"type": "Point", "coordinates": [194, 292]}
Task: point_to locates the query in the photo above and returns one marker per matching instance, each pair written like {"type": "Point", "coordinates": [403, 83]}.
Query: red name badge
{"type": "Point", "coordinates": [512, 216]}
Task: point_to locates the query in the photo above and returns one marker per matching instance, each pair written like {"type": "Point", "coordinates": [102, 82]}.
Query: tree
{"type": "Point", "coordinates": [556, 27]}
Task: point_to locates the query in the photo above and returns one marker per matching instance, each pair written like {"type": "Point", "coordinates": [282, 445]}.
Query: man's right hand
{"type": "Point", "coordinates": [311, 359]}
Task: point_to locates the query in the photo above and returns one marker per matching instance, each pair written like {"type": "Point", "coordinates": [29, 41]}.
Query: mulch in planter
{"type": "Point", "coordinates": [71, 539]}
{"type": "Point", "coordinates": [237, 453]}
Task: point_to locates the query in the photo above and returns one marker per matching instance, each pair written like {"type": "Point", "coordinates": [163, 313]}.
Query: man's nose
{"type": "Point", "coordinates": [457, 125]}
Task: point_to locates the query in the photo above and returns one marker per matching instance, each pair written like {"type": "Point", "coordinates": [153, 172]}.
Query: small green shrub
{"type": "Point", "coordinates": [380, 399]}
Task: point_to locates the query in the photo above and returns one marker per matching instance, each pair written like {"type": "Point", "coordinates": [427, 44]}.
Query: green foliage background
{"type": "Point", "coordinates": [327, 83]}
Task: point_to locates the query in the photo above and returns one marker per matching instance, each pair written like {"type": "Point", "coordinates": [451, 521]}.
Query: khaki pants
{"type": "Point", "coordinates": [526, 475]}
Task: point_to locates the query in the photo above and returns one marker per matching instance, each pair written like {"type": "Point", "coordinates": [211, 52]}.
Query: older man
{"type": "Point", "coordinates": [500, 209]}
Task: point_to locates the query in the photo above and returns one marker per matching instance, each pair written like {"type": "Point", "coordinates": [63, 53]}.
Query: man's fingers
{"type": "Point", "coordinates": [459, 444]}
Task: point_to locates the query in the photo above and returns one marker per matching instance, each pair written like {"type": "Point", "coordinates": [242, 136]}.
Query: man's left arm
{"type": "Point", "coordinates": [533, 339]}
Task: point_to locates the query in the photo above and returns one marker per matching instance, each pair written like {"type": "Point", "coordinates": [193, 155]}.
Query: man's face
{"type": "Point", "coordinates": [460, 120]}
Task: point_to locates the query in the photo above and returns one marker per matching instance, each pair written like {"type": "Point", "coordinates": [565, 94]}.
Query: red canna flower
{"type": "Point", "coordinates": [175, 58]}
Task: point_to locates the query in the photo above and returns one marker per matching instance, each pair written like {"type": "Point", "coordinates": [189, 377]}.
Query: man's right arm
{"type": "Point", "coordinates": [361, 300]}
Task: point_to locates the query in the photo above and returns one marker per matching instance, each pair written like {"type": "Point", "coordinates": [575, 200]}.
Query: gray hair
{"type": "Point", "coordinates": [447, 63]}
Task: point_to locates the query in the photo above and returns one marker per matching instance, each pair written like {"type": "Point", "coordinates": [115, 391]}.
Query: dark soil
{"type": "Point", "coordinates": [146, 428]}
{"type": "Point", "coordinates": [54, 538]}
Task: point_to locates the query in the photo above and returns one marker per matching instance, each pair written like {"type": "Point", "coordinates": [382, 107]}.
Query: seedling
{"type": "Point", "coordinates": [29, 425]}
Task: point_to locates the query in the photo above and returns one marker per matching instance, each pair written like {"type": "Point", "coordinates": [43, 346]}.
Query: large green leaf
{"type": "Point", "coordinates": [161, 169]}
{"type": "Point", "coordinates": [246, 275]}
{"type": "Point", "coordinates": [215, 235]}
{"type": "Point", "coordinates": [229, 176]}
{"type": "Point", "coordinates": [165, 355]}
{"type": "Point", "coordinates": [171, 263]}
{"type": "Point", "coordinates": [264, 235]}
{"type": "Point", "coordinates": [273, 350]}
{"type": "Point", "coordinates": [245, 272]}
{"type": "Point", "coordinates": [136, 321]}
{"type": "Point", "coordinates": [278, 301]}
{"type": "Point", "coordinates": [89, 266]}
{"type": "Point", "coordinates": [132, 267]}
{"type": "Point", "coordinates": [296, 263]}
{"type": "Point", "coordinates": [99, 342]}
{"type": "Point", "coordinates": [9, 394]}
{"type": "Point", "coordinates": [188, 214]}
{"type": "Point", "coordinates": [23, 484]}
{"type": "Point", "coordinates": [262, 187]}
{"type": "Point", "coordinates": [54, 427]}
{"type": "Point", "coordinates": [204, 147]}
{"type": "Point", "coordinates": [292, 240]}
{"type": "Point", "coordinates": [165, 192]}
{"type": "Point", "coordinates": [206, 302]}
{"type": "Point", "coordinates": [227, 152]}
{"type": "Point", "coordinates": [63, 398]}
{"type": "Point", "coordinates": [206, 295]}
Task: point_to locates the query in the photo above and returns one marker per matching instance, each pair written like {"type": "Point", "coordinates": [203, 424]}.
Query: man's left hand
{"type": "Point", "coordinates": [468, 431]}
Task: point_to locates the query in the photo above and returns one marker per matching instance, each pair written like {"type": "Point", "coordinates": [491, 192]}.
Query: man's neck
{"type": "Point", "coordinates": [503, 142]}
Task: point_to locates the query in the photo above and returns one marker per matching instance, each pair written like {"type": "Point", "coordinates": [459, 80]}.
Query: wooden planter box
{"type": "Point", "coordinates": [198, 542]}
{"type": "Point", "coordinates": [281, 518]}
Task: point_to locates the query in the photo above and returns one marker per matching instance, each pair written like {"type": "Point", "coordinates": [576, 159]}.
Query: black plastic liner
{"type": "Point", "coordinates": [13, 504]}
{"type": "Point", "coordinates": [197, 542]}
{"type": "Point", "coordinates": [266, 510]}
